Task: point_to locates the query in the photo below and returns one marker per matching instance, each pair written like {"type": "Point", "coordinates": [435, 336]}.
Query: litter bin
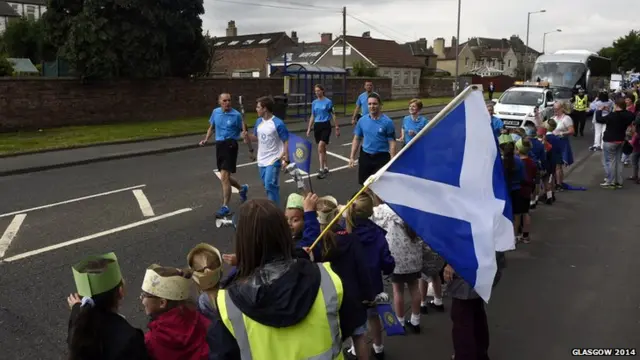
{"type": "Point", "coordinates": [280, 106]}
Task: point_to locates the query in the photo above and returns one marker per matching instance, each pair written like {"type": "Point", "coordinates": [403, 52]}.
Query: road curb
{"type": "Point", "coordinates": [126, 155]}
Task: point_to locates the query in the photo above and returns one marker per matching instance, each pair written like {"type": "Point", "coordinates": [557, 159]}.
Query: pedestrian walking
{"type": "Point", "coordinates": [362, 107]}
{"type": "Point", "coordinates": [322, 115]}
{"type": "Point", "coordinates": [413, 123]}
{"type": "Point", "coordinates": [229, 127]}
{"type": "Point", "coordinates": [377, 134]}
{"type": "Point", "coordinates": [273, 142]}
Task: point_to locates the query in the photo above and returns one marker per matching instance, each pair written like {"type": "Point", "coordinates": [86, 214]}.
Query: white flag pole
{"type": "Point", "coordinates": [430, 125]}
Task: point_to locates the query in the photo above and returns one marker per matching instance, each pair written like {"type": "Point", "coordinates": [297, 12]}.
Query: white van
{"type": "Point", "coordinates": [517, 106]}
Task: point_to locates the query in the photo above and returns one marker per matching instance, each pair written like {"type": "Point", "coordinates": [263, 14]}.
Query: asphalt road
{"type": "Point", "coordinates": [572, 287]}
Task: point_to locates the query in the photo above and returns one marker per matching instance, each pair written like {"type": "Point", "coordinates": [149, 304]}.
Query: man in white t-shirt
{"type": "Point", "coordinates": [272, 136]}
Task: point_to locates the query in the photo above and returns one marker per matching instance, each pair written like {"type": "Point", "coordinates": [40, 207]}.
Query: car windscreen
{"type": "Point", "coordinates": [527, 98]}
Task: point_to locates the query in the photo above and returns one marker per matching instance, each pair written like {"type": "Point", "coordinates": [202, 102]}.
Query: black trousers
{"type": "Point", "coordinates": [579, 121]}
{"type": "Point", "coordinates": [470, 330]}
{"type": "Point", "coordinates": [369, 164]}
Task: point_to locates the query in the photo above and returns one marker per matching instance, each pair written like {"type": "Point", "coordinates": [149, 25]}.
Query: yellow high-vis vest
{"type": "Point", "coordinates": [581, 103]}
{"type": "Point", "coordinates": [316, 337]}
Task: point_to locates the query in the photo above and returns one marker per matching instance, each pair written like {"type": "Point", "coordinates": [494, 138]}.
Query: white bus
{"type": "Point", "coordinates": [566, 69]}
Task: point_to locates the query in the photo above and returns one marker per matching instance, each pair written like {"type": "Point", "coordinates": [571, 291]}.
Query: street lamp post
{"type": "Point", "coordinates": [544, 39]}
{"type": "Point", "coordinates": [457, 87]}
{"type": "Point", "coordinates": [526, 50]}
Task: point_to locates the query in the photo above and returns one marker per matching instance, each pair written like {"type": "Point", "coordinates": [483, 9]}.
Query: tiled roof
{"type": "Point", "coordinates": [248, 41]}
{"type": "Point", "coordinates": [385, 53]}
{"type": "Point", "coordinates": [7, 10]}
{"type": "Point", "coordinates": [304, 53]}
{"type": "Point", "coordinates": [418, 50]}
{"type": "Point", "coordinates": [485, 44]}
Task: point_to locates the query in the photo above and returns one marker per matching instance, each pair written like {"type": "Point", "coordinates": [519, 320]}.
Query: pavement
{"type": "Point", "coordinates": [53, 159]}
{"type": "Point", "coordinates": [571, 287]}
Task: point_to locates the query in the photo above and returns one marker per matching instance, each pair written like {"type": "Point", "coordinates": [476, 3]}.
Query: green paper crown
{"type": "Point", "coordinates": [295, 201]}
{"type": "Point", "coordinates": [97, 274]}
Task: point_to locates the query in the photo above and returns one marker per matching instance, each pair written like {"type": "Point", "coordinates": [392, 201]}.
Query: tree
{"type": "Point", "coordinates": [25, 38]}
{"type": "Point", "coordinates": [208, 52]}
{"type": "Point", "coordinates": [6, 68]}
{"type": "Point", "coordinates": [362, 69]}
{"type": "Point", "coordinates": [128, 38]}
{"type": "Point", "coordinates": [624, 52]}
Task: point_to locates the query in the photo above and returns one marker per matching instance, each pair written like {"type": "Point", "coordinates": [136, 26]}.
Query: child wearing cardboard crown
{"type": "Point", "coordinates": [177, 330]}
{"type": "Point", "coordinates": [96, 330]}
{"type": "Point", "coordinates": [206, 263]}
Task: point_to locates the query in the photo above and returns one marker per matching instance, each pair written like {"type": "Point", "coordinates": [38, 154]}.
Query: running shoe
{"type": "Point", "coordinates": [606, 185]}
{"type": "Point", "coordinates": [244, 189]}
{"type": "Point", "coordinates": [224, 211]}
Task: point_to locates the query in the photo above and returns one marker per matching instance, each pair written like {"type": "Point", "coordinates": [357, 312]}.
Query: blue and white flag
{"type": "Point", "coordinates": [448, 184]}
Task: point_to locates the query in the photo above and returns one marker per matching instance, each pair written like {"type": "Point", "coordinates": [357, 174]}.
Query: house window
{"type": "Point", "coordinates": [405, 77]}
{"type": "Point", "coordinates": [31, 12]}
{"type": "Point", "coordinates": [264, 41]}
{"type": "Point", "coordinates": [248, 42]}
{"type": "Point", "coordinates": [466, 62]}
{"type": "Point", "coordinates": [414, 79]}
{"type": "Point", "coordinates": [396, 78]}
{"type": "Point", "coordinates": [509, 63]}
{"type": "Point", "coordinates": [219, 43]}
{"type": "Point", "coordinates": [234, 42]}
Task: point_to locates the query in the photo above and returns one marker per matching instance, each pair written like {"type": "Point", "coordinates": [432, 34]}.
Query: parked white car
{"type": "Point", "coordinates": [517, 106]}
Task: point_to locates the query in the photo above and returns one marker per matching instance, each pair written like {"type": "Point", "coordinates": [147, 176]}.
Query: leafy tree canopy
{"type": "Point", "coordinates": [624, 52]}
{"type": "Point", "coordinates": [25, 38]}
{"type": "Point", "coordinates": [128, 38]}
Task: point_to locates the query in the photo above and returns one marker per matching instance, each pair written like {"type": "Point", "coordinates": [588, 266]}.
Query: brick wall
{"type": "Point", "coordinates": [439, 86]}
{"type": "Point", "coordinates": [37, 103]}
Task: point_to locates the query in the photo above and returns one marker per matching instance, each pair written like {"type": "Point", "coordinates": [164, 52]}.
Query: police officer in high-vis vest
{"type": "Point", "coordinates": [579, 113]}
{"type": "Point", "coordinates": [275, 306]}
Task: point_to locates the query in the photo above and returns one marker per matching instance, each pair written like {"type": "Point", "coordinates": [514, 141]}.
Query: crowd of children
{"type": "Point", "coordinates": [306, 298]}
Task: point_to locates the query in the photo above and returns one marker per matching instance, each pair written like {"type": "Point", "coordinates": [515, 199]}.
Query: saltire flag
{"type": "Point", "coordinates": [300, 152]}
{"type": "Point", "coordinates": [392, 325]}
{"type": "Point", "coordinates": [448, 184]}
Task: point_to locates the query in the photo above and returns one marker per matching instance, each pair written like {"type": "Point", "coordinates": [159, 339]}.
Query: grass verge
{"type": "Point", "coordinates": [73, 136]}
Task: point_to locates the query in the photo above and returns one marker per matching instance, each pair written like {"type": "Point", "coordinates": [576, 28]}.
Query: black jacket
{"type": "Point", "coordinates": [120, 340]}
{"type": "Point", "coordinates": [617, 123]}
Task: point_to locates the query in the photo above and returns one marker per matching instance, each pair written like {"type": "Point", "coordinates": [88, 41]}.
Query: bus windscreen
{"type": "Point", "coordinates": [562, 74]}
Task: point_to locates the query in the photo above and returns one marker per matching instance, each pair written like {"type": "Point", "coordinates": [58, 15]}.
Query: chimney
{"type": "Point", "coordinates": [294, 36]}
{"type": "Point", "coordinates": [232, 30]}
{"type": "Point", "coordinates": [438, 47]}
{"type": "Point", "coordinates": [454, 41]}
{"type": "Point", "coordinates": [366, 34]}
{"type": "Point", "coordinates": [326, 38]}
{"type": "Point", "coordinates": [422, 43]}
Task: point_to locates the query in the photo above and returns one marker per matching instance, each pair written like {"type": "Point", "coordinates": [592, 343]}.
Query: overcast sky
{"type": "Point", "coordinates": [583, 25]}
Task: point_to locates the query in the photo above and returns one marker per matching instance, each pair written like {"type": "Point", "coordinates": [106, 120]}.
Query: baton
{"type": "Point", "coordinates": [249, 144]}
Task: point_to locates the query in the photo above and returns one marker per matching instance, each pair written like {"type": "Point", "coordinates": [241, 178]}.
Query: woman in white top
{"type": "Point", "coordinates": [406, 249]}
{"type": "Point", "coordinates": [564, 130]}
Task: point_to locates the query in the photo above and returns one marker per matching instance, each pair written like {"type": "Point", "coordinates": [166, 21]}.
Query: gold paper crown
{"type": "Point", "coordinates": [207, 278]}
{"type": "Point", "coordinates": [325, 217]}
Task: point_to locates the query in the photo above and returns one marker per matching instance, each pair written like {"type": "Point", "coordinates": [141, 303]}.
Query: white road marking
{"type": "Point", "coordinates": [346, 144]}
{"type": "Point", "coordinates": [343, 158]}
{"type": "Point", "coordinates": [94, 236]}
{"type": "Point", "coordinates": [316, 174]}
{"type": "Point", "coordinates": [246, 164]}
{"type": "Point", "coordinates": [72, 200]}
{"type": "Point", "coordinates": [143, 202]}
{"type": "Point", "coordinates": [233, 190]}
{"type": "Point", "coordinates": [10, 233]}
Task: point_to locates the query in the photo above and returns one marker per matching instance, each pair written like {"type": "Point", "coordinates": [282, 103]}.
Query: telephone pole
{"type": "Point", "coordinates": [344, 58]}
{"type": "Point", "coordinates": [344, 38]}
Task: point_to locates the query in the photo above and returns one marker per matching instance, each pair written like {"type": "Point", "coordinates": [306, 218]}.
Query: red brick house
{"type": "Point", "coordinates": [249, 55]}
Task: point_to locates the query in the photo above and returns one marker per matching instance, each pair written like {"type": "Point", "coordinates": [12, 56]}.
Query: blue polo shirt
{"type": "Point", "coordinates": [363, 102]}
{"type": "Point", "coordinates": [376, 134]}
{"type": "Point", "coordinates": [322, 110]}
{"type": "Point", "coordinates": [408, 124]}
{"type": "Point", "coordinates": [497, 125]}
{"type": "Point", "coordinates": [228, 124]}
